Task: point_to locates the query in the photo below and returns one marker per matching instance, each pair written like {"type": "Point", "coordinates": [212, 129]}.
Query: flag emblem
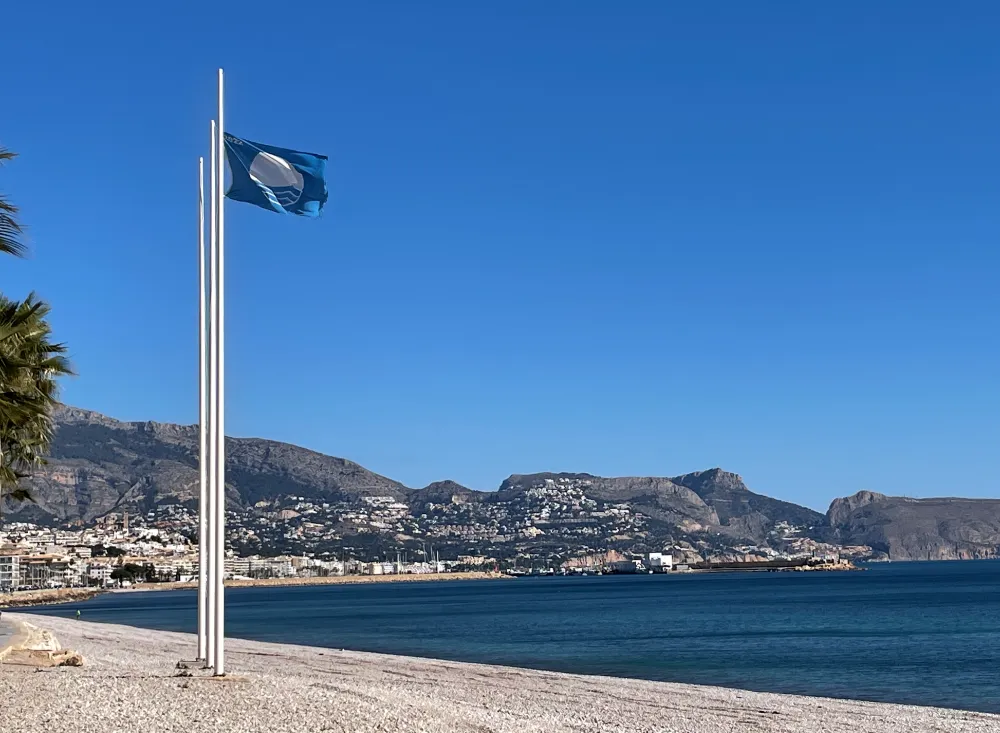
{"type": "Point", "coordinates": [277, 179]}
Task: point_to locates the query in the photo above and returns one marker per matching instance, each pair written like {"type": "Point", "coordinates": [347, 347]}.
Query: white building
{"type": "Point", "coordinates": [100, 572]}
{"type": "Point", "coordinates": [660, 563]}
{"type": "Point", "coordinates": [237, 566]}
{"type": "Point", "coordinates": [10, 571]}
{"type": "Point", "coordinates": [628, 566]}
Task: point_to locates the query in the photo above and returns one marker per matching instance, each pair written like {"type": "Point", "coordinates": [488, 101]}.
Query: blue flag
{"type": "Point", "coordinates": [277, 179]}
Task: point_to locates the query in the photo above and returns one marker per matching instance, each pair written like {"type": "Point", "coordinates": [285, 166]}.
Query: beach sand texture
{"type": "Point", "coordinates": [130, 682]}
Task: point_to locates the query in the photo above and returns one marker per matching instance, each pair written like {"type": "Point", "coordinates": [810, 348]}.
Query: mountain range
{"type": "Point", "coordinates": [99, 465]}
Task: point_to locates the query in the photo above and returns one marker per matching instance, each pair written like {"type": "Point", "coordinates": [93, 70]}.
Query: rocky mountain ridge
{"type": "Point", "coordinates": [100, 465]}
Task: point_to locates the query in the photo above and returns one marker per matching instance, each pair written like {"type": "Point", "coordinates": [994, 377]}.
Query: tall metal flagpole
{"type": "Point", "coordinates": [202, 428]}
{"type": "Point", "coordinates": [212, 405]}
{"type": "Point", "coordinates": [220, 398]}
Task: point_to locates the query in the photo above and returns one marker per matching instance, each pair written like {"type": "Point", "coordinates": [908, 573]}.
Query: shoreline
{"type": "Point", "coordinates": [138, 679]}
{"type": "Point", "coordinates": [57, 596]}
{"type": "Point", "coordinates": [49, 597]}
{"type": "Point", "coordinates": [324, 580]}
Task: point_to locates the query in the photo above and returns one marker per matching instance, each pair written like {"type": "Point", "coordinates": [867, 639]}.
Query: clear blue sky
{"type": "Point", "coordinates": [622, 238]}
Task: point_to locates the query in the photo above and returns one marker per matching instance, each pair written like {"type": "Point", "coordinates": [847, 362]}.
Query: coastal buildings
{"type": "Point", "coordinates": [628, 567]}
{"type": "Point", "coordinates": [108, 555]}
{"type": "Point", "coordinates": [542, 522]}
{"type": "Point", "coordinates": [659, 562]}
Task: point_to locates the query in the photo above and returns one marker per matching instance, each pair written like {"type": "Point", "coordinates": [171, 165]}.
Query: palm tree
{"type": "Point", "coordinates": [29, 365]}
{"type": "Point", "coordinates": [30, 362]}
{"type": "Point", "coordinates": [10, 230]}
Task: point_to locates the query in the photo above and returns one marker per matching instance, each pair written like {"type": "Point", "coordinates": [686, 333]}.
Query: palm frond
{"type": "Point", "coordinates": [29, 366]}
{"type": "Point", "coordinates": [11, 231]}
{"type": "Point", "coordinates": [30, 363]}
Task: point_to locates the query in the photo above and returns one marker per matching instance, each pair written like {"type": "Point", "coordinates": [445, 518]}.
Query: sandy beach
{"type": "Point", "coordinates": [130, 681]}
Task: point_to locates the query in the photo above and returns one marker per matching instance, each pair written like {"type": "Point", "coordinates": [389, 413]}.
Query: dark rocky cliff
{"type": "Point", "coordinates": [918, 529]}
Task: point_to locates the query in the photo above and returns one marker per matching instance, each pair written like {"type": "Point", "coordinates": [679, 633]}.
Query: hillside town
{"type": "Point", "coordinates": [548, 528]}
{"type": "Point", "coordinates": [122, 552]}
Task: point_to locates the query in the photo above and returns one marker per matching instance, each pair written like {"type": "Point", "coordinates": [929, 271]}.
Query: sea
{"type": "Point", "coordinates": [918, 633]}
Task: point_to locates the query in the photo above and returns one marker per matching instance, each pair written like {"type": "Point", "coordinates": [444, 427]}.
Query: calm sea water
{"type": "Point", "coordinates": [920, 633]}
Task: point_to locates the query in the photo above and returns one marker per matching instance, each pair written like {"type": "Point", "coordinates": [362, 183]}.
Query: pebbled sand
{"type": "Point", "coordinates": [128, 684]}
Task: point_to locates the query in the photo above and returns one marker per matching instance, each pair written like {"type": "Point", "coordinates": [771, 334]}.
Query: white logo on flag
{"type": "Point", "coordinates": [277, 176]}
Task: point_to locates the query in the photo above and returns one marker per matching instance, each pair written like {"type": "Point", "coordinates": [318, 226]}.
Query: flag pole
{"type": "Point", "coordinates": [202, 429]}
{"type": "Point", "coordinates": [220, 398]}
{"type": "Point", "coordinates": [212, 406]}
